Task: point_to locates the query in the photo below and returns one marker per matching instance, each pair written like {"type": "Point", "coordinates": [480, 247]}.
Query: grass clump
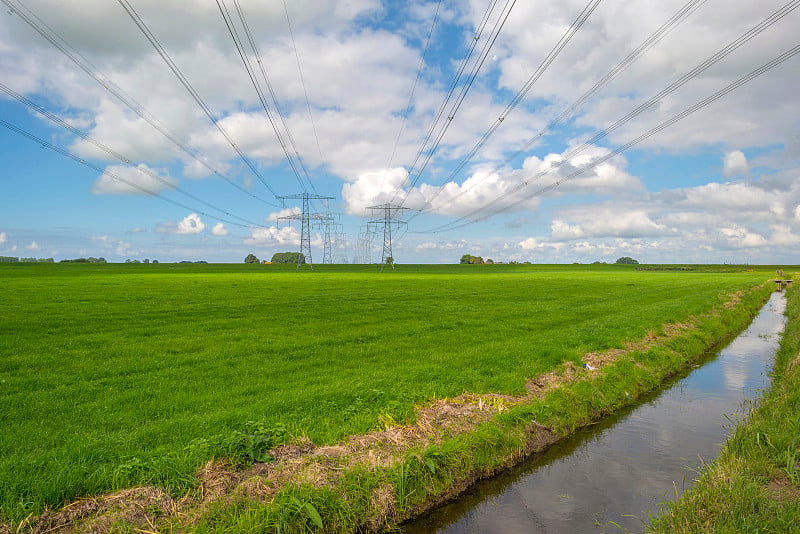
{"type": "Point", "coordinates": [753, 485]}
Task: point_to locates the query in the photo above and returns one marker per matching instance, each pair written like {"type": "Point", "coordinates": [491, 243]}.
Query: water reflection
{"type": "Point", "coordinates": [624, 468]}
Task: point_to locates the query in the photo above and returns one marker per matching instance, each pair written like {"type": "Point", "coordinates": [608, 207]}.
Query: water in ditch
{"type": "Point", "coordinates": [613, 475]}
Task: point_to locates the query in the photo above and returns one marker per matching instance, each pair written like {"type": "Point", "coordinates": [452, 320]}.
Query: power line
{"type": "Point", "coordinates": [85, 65]}
{"type": "Point", "coordinates": [111, 174]}
{"type": "Point", "coordinates": [257, 55]}
{"type": "Point", "coordinates": [302, 80]}
{"type": "Point", "coordinates": [413, 90]}
{"type": "Point", "coordinates": [699, 69]}
{"type": "Point", "coordinates": [251, 74]}
{"type": "Point", "coordinates": [192, 92]}
{"type": "Point", "coordinates": [662, 126]}
{"type": "Point", "coordinates": [499, 24]}
{"type": "Point", "coordinates": [682, 14]}
{"type": "Point", "coordinates": [113, 153]}
{"type": "Point", "coordinates": [537, 74]}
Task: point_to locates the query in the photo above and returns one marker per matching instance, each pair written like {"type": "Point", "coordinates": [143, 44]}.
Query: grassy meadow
{"type": "Point", "coordinates": [116, 375]}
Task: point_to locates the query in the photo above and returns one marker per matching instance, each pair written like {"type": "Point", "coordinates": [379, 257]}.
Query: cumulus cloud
{"type": "Point", "coordinates": [287, 212]}
{"type": "Point", "coordinates": [740, 236]}
{"type": "Point", "coordinates": [782, 235]}
{"type": "Point", "coordinates": [372, 188]}
{"type": "Point", "coordinates": [532, 243]}
{"type": "Point", "coordinates": [488, 192]}
{"type": "Point", "coordinates": [427, 246]}
{"type": "Point", "coordinates": [734, 163]}
{"type": "Point", "coordinates": [139, 180]}
{"type": "Point", "coordinates": [191, 224]}
{"type": "Point", "coordinates": [265, 237]}
{"type": "Point", "coordinates": [33, 246]}
{"type": "Point", "coordinates": [220, 230]}
{"type": "Point", "coordinates": [3, 237]}
{"type": "Point", "coordinates": [608, 222]}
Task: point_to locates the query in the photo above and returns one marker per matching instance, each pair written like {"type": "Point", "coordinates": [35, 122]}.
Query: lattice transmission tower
{"type": "Point", "coordinates": [386, 216]}
{"type": "Point", "coordinates": [305, 217]}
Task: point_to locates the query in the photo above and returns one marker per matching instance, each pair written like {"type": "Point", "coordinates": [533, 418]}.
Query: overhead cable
{"type": "Point", "coordinates": [445, 125]}
{"type": "Point", "coordinates": [682, 14]}
{"type": "Point", "coordinates": [699, 69]}
{"type": "Point", "coordinates": [251, 74]}
{"type": "Point", "coordinates": [281, 115]}
{"type": "Point", "coordinates": [413, 90]}
{"type": "Point", "coordinates": [126, 5]}
{"type": "Point", "coordinates": [113, 153]}
{"type": "Point", "coordinates": [662, 126]}
{"type": "Point", "coordinates": [111, 174]}
{"type": "Point", "coordinates": [302, 80]}
{"type": "Point", "coordinates": [85, 65]}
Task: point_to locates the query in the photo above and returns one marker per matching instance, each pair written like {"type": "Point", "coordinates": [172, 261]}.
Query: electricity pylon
{"type": "Point", "coordinates": [364, 245]}
{"type": "Point", "coordinates": [388, 217]}
{"type": "Point", "coordinates": [324, 222]}
{"type": "Point", "coordinates": [305, 224]}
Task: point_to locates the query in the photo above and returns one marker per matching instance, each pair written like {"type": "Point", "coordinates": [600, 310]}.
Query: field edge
{"type": "Point", "coordinates": [333, 491]}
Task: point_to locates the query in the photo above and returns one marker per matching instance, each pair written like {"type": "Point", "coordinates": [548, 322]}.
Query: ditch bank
{"type": "Point", "coordinates": [374, 482]}
{"type": "Point", "coordinates": [754, 483]}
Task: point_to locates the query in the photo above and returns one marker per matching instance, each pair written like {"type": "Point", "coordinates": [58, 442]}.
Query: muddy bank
{"type": "Point", "coordinates": [373, 481]}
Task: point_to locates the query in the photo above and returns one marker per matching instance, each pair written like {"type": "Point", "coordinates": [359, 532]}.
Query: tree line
{"type": "Point", "coordinates": [279, 257]}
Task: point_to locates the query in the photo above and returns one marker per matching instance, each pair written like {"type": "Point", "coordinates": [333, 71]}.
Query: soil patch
{"type": "Point", "coordinates": [783, 490]}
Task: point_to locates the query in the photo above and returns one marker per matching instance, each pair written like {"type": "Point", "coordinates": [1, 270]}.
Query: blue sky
{"type": "Point", "coordinates": [720, 185]}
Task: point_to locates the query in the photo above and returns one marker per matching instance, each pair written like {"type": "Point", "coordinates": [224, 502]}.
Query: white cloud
{"type": "Point", "coordinates": [372, 188]}
{"type": "Point", "coordinates": [220, 230]}
{"type": "Point", "coordinates": [287, 212]}
{"type": "Point", "coordinates": [740, 236]}
{"type": "Point", "coordinates": [534, 244]}
{"type": "Point", "coordinates": [118, 246]}
{"type": "Point", "coordinates": [3, 237]}
{"type": "Point", "coordinates": [442, 246]}
{"type": "Point", "coordinates": [33, 246]}
{"type": "Point", "coordinates": [191, 224]}
{"type": "Point", "coordinates": [265, 237]}
{"type": "Point", "coordinates": [608, 222]}
{"type": "Point", "coordinates": [782, 235]}
{"type": "Point", "coordinates": [139, 180]}
{"type": "Point", "coordinates": [734, 163]}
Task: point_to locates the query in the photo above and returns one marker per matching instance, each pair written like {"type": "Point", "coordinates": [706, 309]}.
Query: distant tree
{"type": "Point", "coordinates": [155, 261]}
{"type": "Point", "coordinates": [471, 260]}
{"type": "Point", "coordinates": [625, 260]}
{"type": "Point", "coordinates": [10, 259]}
{"type": "Point", "coordinates": [489, 261]}
{"type": "Point", "coordinates": [389, 260]}
{"type": "Point", "coordinates": [251, 258]}
{"type": "Point", "coordinates": [288, 257]}
{"type": "Point", "coordinates": [146, 260]}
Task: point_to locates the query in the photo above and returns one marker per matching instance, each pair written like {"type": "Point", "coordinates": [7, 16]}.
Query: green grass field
{"type": "Point", "coordinates": [113, 375]}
